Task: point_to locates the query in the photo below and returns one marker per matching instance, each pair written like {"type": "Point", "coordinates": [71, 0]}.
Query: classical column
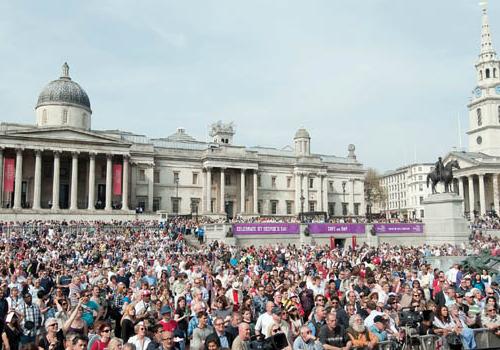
{"type": "Point", "coordinates": [91, 203]}
{"type": "Point", "coordinates": [222, 190]}
{"type": "Point", "coordinates": [37, 188]}
{"type": "Point", "coordinates": [74, 181]}
{"type": "Point", "coordinates": [496, 198]}
{"type": "Point", "coordinates": [297, 193]}
{"type": "Point", "coordinates": [242, 194]}
{"type": "Point", "coordinates": [209, 191]}
{"type": "Point", "coordinates": [125, 183]}
{"type": "Point", "coordinates": [321, 194]}
{"type": "Point", "coordinates": [255, 193]}
{"type": "Point", "coordinates": [150, 171]}
{"type": "Point", "coordinates": [55, 180]}
{"type": "Point", "coordinates": [109, 181]}
{"type": "Point", "coordinates": [461, 190]}
{"type": "Point", "coordinates": [1, 177]}
{"type": "Point", "coordinates": [18, 179]}
{"type": "Point", "coordinates": [471, 195]}
{"type": "Point", "coordinates": [325, 194]}
{"type": "Point", "coordinates": [305, 187]}
{"type": "Point", "coordinates": [482, 195]}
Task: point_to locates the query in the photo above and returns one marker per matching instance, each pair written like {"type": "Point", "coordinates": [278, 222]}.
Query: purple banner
{"type": "Point", "coordinates": [337, 228]}
{"type": "Point", "coordinates": [266, 229]}
{"type": "Point", "coordinates": [398, 228]}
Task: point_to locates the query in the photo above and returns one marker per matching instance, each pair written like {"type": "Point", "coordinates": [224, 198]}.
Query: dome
{"type": "Point", "coordinates": [64, 91]}
{"type": "Point", "coordinates": [302, 133]}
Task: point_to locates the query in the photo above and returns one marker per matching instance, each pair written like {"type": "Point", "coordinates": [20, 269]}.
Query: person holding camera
{"type": "Point", "coordinates": [31, 319]}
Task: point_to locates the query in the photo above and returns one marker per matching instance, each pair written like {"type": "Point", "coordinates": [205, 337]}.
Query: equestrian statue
{"type": "Point", "coordinates": [442, 173]}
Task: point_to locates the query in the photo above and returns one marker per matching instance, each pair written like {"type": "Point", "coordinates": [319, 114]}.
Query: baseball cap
{"type": "Point", "coordinates": [469, 294]}
{"type": "Point", "coordinates": [378, 319]}
{"type": "Point", "coordinates": [165, 309]}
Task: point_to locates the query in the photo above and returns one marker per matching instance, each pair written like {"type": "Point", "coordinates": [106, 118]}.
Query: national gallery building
{"type": "Point", "coordinates": [59, 166]}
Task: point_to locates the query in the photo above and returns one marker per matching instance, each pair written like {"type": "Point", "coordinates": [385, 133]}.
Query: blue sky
{"type": "Point", "coordinates": [388, 76]}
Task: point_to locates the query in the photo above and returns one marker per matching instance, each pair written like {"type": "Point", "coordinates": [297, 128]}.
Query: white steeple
{"type": "Point", "coordinates": [487, 51]}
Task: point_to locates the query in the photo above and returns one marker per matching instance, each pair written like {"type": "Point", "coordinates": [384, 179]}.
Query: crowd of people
{"type": "Point", "coordinates": [137, 285]}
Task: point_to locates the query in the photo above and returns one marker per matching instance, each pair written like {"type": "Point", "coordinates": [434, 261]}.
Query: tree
{"type": "Point", "coordinates": [375, 194]}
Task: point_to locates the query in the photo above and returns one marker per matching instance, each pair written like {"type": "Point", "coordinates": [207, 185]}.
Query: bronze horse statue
{"type": "Point", "coordinates": [446, 176]}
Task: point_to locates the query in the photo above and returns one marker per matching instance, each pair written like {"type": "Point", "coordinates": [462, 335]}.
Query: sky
{"type": "Point", "coordinates": [391, 77]}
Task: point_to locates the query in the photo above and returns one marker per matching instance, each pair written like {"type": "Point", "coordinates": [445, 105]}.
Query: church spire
{"type": "Point", "coordinates": [487, 51]}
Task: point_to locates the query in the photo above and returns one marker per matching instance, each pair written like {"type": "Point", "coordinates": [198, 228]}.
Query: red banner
{"type": "Point", "coordinates": [117, 179]}
{"type": "Point", "coordinates": [9, 173]}
{"type": "Point", "coordinates": [332, 243]}
{"type": "Point", "coordinates": [353, 242]}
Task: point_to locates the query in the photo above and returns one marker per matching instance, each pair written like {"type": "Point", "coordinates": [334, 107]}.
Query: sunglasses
{"type": "Point", "coordinates": [106, 330]}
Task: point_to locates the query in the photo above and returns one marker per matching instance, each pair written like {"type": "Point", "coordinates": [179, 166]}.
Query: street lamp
{"type": "Point", "coordinates": [176, 180]}
{"type": "Point", "coordinates": [302, 200]}
{"type": "Point", "coordinates": [369, 206]}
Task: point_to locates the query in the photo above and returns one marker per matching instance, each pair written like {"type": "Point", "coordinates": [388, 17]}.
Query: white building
{"type": "Point", "coordinates": [405, 189]}
{"type": "Point", "coordinates": [60, 166]}
{"type": "Point", "coordinates": [477, 180]}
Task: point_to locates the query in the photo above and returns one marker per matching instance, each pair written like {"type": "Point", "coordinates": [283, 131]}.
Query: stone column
{"type": "Point", "coordinates": [125, 183]}
{"type": "Point", "coordinates": [255, 193]}
{"type": "Point", "coordinates": [496, 198]}
{"type": "Point", "coordinates": [18, 179]}
{"type": "Point", "coordinates": [222, 190]}
{"type": "Point", "coordinates": [325, 194]}
{"type": "Point", "coordinates": [482, 195]}
{"type": "Point", "coordinates": [74, 182]}
{"type": "Point", "coordinates": [91, 203]}
{"type": "Point", "coordinates": [55, 180]}
{"type": "Point", "coordinates": [150, 171]}
{"type": "Point", "coordinates": [471, 196]}
{"type": "Point", "coordinates": [461, 190]}
{"type": "Point", "coordinates": [37, 188]}
{"type": "Point", "coordinates": [209, 191]}
{"type": "Point", "coordinates": [109, 181]}
{"type": "Point", "coordinates": [305, 187]}
{"type": "Point", "coordinates": [242, 194]}
{"type": "Point", "coordinates": [297, 193]}
{"type": "Point", "coordinates": [1, 177]}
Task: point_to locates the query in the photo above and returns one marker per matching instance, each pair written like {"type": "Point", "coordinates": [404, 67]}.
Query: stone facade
{"type": "Point", "coordinates": [65, 167]}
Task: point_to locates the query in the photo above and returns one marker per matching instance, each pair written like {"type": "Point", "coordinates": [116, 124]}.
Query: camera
{"type": "Point", "coordinates": [276, 342]}
{"type": "Point", "coordinates": [408, 318]}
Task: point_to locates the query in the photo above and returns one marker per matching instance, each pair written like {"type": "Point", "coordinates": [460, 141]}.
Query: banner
{"type": "Point", "coordinates": [398, 228]}
{"type": "Point", "coordinates": [336, 228]}
{"type": "Point", "coordinates": [9, 173]}
{"type": "Point", "coordinates": [353, 242]}
{"type": "Point", "coordinates": [265, 228]}
{"type": "Point", "coordinates": [117, 179]}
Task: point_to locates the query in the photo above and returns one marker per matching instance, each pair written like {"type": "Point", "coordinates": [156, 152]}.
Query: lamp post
{"type": "Point", "coordinates": [369, 206]}
{"type": "Point", "coordinates": [344, 183]}
{"type": "Point", "coordinates": [176, 180]}
{"type": "Point", "coordinates": [302, 200]}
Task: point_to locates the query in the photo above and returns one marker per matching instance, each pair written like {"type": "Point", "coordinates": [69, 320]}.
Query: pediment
{"type": "Point", "coordinates": [66, 135]}
{"type": "Point", "coordinates": [464, 160]}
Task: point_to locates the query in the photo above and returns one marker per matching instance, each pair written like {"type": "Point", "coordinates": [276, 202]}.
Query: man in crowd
{"type": "Point", "coordinates": [333, 336]}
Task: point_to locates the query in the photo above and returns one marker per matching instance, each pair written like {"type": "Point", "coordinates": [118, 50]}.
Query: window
{"type": "Point", "coordinates": [331, 208]}
{"type": "Point", "coordinates": [330, 184]}
{"type": "Point", "coordinates": [273, 181]}
{"type": "Point", "coordinates": [421, 200]}
{"type": "Point", "coordinates": [289, 206]}
{"type": "Point", "coordinates": [175, 205]}
{"type": "Point", "coordinates": [259, 207]}
{"type": "Point", "coordinates": [156, 204]}
{"type": "Point", "coordinates": [259, 182]}
{"type": "Point", "coordinates": [420, 177]}
{"type": "Point", "coordinates": [421, 213]}
{"type": "Point", "coordinates": [479, 118]}
{"type": "Point", "coordinates": [344, 209]}
{"type": "Point", "coordinates": [44, 117]}
{"type": "Point", "coordinates": [288, 182]}
{"type": "Point", "coordinates": [312, 206]}
{"type": "Point", "coordinates": [494, 72]}
{"type": "Point", "coordinates": [65, 116]}
{"type": "Point", "coordinates": [311, 182]}
{"type": "Point", "coordinates": [274, 207]}
{"type": "Point", "coordinates": [156, 177]}
{"type": "Point", "coordinates": [212, 205]}
{"type": "Point", "coordinates": [142, 175]}
{"type": "Point", "coordinates": [356, 208]}
{"type": "Point", "coordinates": [195, 203]}
{"type": "Point", "coordinates": [195, 178]}
{"type": "Point", "coordinates": [419, 168]}
{"type": "Point", "coordinates": [227, 180]}
{"type": "Point", "coordinates": [487, 73]}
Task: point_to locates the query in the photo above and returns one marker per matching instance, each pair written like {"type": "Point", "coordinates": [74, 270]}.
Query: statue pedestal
{"type": "Point", "coordinates": [444, 221]}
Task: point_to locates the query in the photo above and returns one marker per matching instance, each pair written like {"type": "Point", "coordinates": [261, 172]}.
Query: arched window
{"type": "Point", "coordinates": [487, 73]}
{"type": "Point", "coordinates": [65, 116]}
{"type": "Point", "coordinates": [44, 117]}
{"type": "Point", "coordinates": [480, 75]}
{"type": "Point", "coordinates": [479, 118]}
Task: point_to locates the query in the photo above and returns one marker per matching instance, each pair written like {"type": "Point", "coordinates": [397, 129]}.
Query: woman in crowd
{"type": "Point", "coordinates": [128, 322]}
